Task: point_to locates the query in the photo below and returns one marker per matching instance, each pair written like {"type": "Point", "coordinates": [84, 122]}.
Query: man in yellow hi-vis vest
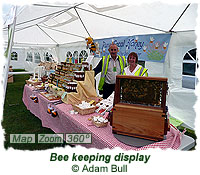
{"type": "Point", "coordinates": [110, 67]}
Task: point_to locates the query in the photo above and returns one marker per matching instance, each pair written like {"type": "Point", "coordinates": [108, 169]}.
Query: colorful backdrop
{"type": "Point", "coordinates": [148, 47]}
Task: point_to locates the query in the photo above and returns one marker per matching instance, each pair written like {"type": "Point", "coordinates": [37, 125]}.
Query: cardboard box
{"type": "Point", "coordinates": [10, 79]}
{"type": "Point", "coordinates": [10, 76]}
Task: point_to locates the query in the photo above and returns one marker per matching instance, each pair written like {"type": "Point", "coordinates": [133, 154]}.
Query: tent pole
{"type": "Point", "coordinates": [58, 52]}
{"type": "Point", "coordinates": [31, 44]}
{"type": "Point", "coordinates": [63, 32]}
{"type": "Point", "coordinates": [179, 17]}
{"type": "Point", "coordinates": [7, 64]}
{"type": "Point", "coordinates": [46, 34]}
{"type": "Point", "coordinates": [82, 21]}
{"type": "Point", "coordinates": [47, 5]}
{"type": "Point", "coordinates": [25, 28]}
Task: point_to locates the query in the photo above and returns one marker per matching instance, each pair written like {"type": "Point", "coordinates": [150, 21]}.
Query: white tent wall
{"type": "Point", "coordinates": [180, 100]}
{"type": "Point", "coordinates": [30, 65]}
{"type": "Point", "coordinates": [180, 43]}
{"type": "Point", "coordinates": [77, 46]}
{"type": "Point", "coordinates": [19, 63]}
{"type": "Point", "coordinates": [181, 105]}
{"type": "Point", "coordinates": [71, 47]}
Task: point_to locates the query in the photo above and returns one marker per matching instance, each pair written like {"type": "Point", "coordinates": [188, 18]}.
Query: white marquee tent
{"type": "Point", "coordinates": [63, 27]}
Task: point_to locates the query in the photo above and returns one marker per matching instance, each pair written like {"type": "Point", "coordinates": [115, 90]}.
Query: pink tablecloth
{"type": "Point", "coordinates": [101, 137]}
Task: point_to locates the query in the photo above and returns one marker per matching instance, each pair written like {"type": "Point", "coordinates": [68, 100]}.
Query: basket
{"type": "Point", "coordinates": [39, 87]}
{"type": "Point", "coordinates": [33, 83]}
{"type": "Point", "coordinates": [83, 111]}
{"type": "Point", "coordinates": [99, 125]}
{"type": "Point", "coordinates": [50, 97]}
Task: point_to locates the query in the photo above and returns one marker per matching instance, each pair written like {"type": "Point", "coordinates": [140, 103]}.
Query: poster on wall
{"type": "Point", "coordinates": [151, 47]}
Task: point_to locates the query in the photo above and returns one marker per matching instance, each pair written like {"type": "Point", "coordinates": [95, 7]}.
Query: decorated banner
{"type": "Point", "coordinates": [151, 47]}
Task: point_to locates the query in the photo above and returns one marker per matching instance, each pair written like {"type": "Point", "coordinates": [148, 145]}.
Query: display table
{"type": "Point", "coordinates": [68, 123]}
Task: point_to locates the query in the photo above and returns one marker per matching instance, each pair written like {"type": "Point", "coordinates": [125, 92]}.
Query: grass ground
{"type": "Point", "coordinates": [18, 120]}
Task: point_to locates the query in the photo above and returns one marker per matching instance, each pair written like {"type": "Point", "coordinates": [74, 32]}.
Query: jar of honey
{"type": "Point", "coordinates": [57, 72]}
{"type": "Point", "coordinates": [79, 75]}
{"type": "Point", "coordinates": [64, 68]}
{"type": "Point", "coordinates": [71, 86]}
{"type": "Point", "coordinates": [59, 66]}
{"type": "Point", "coordinates": [63, 63]}
{"type": "Point", "coordinates": [62, 73]}
{"type": "Point", "coordinates": [85, 66]}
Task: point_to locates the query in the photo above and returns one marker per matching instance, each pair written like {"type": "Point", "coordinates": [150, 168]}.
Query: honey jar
{"type": "Point", "coordinates": [79, 75]}
{"type": "Point", "coordinates": [65, 68]}
{"type": "Point", "coordinates": [57, 76]}
{"type": "Point", "coordinates": [49, 80]}
{"type": "Point", "coordinates": [60, 84]}
{"type": "Point", "coordinates": [59, 66]}
{"type": "Point", "coordinates": [85, 66]}
{"type": "Point", "coordinates": [71, 86]}
{"type": "Point", "coordinates": [62, 73]}
{"type": "Point", "coordinates": [63, 63]}
{"type": "Point", "coordinates": [52, 75]}
{"type": "Point", "coordinates": [57, 72]}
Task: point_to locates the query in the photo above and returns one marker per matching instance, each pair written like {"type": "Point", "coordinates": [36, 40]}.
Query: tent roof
{"type": "Point", "coordinates": [49, 25]}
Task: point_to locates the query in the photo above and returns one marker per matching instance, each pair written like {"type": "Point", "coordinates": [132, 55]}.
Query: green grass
{"type": "Point", "coordinates": [19, 70]}
{"type": "Point", "coordinates": [18, 120]}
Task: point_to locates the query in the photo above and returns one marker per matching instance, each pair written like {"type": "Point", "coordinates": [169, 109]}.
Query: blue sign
{"type": "Point", "coordinates": [151, 47]}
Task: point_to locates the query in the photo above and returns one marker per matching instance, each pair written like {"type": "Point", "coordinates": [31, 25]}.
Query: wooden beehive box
{"type": "Point", "coordinates": [140, 107]}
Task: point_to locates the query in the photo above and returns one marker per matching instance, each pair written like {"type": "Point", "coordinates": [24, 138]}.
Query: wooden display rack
{"type": "Point", "coordinates": [139, 107]}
